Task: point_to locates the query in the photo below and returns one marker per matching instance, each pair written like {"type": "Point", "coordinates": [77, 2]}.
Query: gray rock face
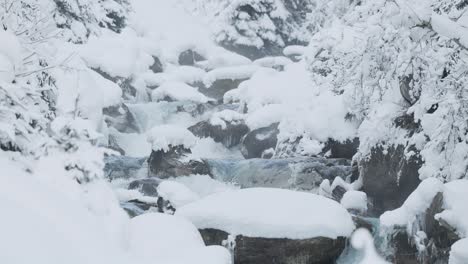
{"type": "Point", "coordinates": [170, 164]}
{"type": "Point", "coordinates": [291, 173]}
{"type": "Point", "coordinates": [229, 137]}
{"type": "Point", "coordinates": [157, 66]}
{"type": "Point", "coordinates": [344, 150]}
{"type": "Point", "coordinates": [389, 178]}
{"type": "Point", "coordinates": [257, 250]}
{"type": "Point", "coordinates": [257, 141]}
{"type": "Point", "coordinates": [190, 57]}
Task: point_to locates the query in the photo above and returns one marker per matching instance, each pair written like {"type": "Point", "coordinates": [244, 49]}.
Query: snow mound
{"type": "Point", "coordinates": [165, 238]}
{"type": "Point", "coordinates": [176, 193]}
{"type": "Point", "coordinates": [204, 185]}
{"type": "Point", "coordinates": [270, 213]}
{"type": "Point", "coordinates": [459, 252]}
{"type": "Point", "coordinates": [226, 116]}
{"type": "Point", "coordinates": [178, 91]}
{"type": "Point", "coordinates": [164, 136]}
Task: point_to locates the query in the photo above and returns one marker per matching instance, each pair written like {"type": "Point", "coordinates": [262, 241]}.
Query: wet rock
{"type": "Point", "coordinates": [257, 141]}
{"type": "Point", "coordinates": [338, 149]}
{"type": "Point", "coordinates": [405, 251]}
{"type": "Point", "coordinates": [291, 173]}
{"type": "Point", "coordinates": [172, 164]}
{"type": "Point", "coordinates": [147, 187]}
{"type": "Point", "coordinates": [120, 118]}
{"type": "Point", "coordinates": [112, 144]}
{"type": "Point", "coordinates": [157, 66]}
{"type": "Point", "coordinates": [338, 193]}
{"type": "Point", "coordinates": [137, 207]}
{"type": "Point", "coordinates": [229, 136]}
{"type": "Point", "coordinates": [258, 250]}
{"type": "Point", "coordinates": [389, 177]}
{"type": "Point", "coordinates": [190, 58]}
{"type": "Point", "coordinates": [218, 88]}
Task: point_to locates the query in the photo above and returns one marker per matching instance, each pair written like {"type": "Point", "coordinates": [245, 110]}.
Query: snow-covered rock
{"type": "Point", "coordinates": [270, 213]}
{"type": "Point", "coordinates": [260, 222]}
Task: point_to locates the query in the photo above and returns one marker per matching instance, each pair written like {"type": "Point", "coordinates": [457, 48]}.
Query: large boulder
{"type": "Point", "coordinates": [229, 136]}
{"type": "Point", "coordinates": [258, 142]}
{"type": "Point", "coordinates": [389, 177]}
{"type": "Point", "coordinates": [171, 163]}
{"type": "Point", "coordinates": [263, 225]}
{"type": "Point", "coordinates": [259, 250]}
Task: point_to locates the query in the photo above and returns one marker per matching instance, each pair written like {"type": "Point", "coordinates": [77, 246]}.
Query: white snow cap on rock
{"type": "Point", "coordinates": [178, 91]}
{"type": "Point", "coordinates": [270, 213]}
{"type": "Point", "coordinates": [354, 200]}
{"type": "Point", "coordinates": [226, 116]}
{"type": "Point", "coordinates": [164, 136]}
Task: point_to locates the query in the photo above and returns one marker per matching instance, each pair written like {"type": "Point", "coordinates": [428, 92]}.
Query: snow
{"type": "Point", "coordinates": [459, 252]}
{"type": "Point", "coordinates": [270, 213]}
{"type": "Point", "coordinates": [163, 238]}
{"type": "Point", "coordinates": [178, 91]}
{"type": "Point", "coordinates": [450, 29]}
{"type": "Point", "coordinates": [10, 55]}
{"type": "Point", "coordinates": [455, 209]}
{"type": "Point", "coordinates": [354, 200]}
{"type": "Point", "coordinates": [165, 136]}
{"type": "Point", "coordinates": [176, 193]}
{"type": "Point", "coordinates": [416, 204]}
{"type": "Point", "coordinates": [362, 240]}
{"type": "Point", "coordinates": [204, 185]}
{"type": "Point", "coordinates": [134, 144]}
{"type": "Point", "coordinates": [207, 148]}
{"type": "Point", "coordinates": [294, 50]}
{"type": "Point", "coordinates": [271, 62]}
{"type": "Point", "coordinates": [226, 116]}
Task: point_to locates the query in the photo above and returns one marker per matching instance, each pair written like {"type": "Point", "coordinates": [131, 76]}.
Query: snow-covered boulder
{"type": "Point", "coordinates": [269, 225]}
{"type": "Point", "coordinates": [178, 91]}
{"type": "Point", "coordinates": [260, 143]}
{"type": "Point", "coordinates": [227, 127]}
{"type": "Point", "coordinates": [170, 146]}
